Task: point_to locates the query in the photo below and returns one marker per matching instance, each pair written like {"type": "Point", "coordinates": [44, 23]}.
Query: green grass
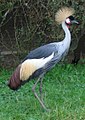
{"type": "Point", "coordinates": [64, 95]}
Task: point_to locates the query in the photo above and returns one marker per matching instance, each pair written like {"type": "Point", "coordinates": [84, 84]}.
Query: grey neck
{"type": "Point", "coordinates": [67, 39]}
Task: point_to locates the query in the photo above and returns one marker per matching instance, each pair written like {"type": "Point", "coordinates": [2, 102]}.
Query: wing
{"type": "Point", "coordinates": [43, 51]}
{"type": "Point", "coordinates": [47, 66]}
{"type": "Point", "coordinates": [54, 60]}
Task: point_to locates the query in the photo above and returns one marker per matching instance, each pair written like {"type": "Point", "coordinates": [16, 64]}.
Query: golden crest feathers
{"type": "Point", "coordinates": [63, 13]}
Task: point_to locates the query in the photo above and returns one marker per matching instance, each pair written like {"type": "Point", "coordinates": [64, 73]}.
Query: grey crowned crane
{"type": "Point", "coordinates": [42, 59]}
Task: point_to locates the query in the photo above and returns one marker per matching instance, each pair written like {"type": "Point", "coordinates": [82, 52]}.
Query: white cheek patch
{"type": "Point", "coordinates": [68, 21]}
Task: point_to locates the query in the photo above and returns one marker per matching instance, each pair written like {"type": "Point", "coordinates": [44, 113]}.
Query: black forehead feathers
{"type": "Point", "coordinates": [71, 17]}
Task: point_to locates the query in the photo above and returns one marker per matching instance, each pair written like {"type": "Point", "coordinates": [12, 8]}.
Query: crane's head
{"type": "Point", "coordinates": [65, 14]}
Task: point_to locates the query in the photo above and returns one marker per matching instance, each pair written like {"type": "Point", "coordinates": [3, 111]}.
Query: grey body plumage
{"type": "Point", "coordinates": [43, 51]}
{"type": "Point", "coordinates": [46, 51]}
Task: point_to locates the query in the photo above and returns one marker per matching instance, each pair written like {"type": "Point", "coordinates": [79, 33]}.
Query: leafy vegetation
{"type": "Point", "coordinates": [63, 90]}
{"type": "Point", "coordinates": [34, 22]}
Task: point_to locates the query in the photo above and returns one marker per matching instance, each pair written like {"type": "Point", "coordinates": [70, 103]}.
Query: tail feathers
{"type": "Point", "coordinates": [14, 83]}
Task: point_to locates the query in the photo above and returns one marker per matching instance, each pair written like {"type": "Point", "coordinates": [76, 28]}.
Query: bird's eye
{"type": "Point", "coordinates": [68, 21]}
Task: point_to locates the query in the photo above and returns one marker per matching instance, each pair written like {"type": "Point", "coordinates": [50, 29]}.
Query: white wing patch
{"type": "Point", "coordinates": [41, 62]}
{"type": "Point", "coordinates": [29, 66]}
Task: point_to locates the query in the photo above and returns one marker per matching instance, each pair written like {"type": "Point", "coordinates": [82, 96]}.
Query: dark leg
{"type": "Point", "coordinates": [33, 89]}
{"type": "Point", "coordinates": [40, 89]}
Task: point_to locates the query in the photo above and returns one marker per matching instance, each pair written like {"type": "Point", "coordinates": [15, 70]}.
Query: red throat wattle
{"type": "Point", "coordinates": [68, 26]}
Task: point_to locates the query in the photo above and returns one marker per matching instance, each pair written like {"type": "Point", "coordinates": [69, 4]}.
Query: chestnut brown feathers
{"type": "Point", "coordinates": [15, 82]}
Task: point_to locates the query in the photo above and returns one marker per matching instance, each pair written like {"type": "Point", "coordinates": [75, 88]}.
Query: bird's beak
{"type": "Point", "coordinates": [75, 21]}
